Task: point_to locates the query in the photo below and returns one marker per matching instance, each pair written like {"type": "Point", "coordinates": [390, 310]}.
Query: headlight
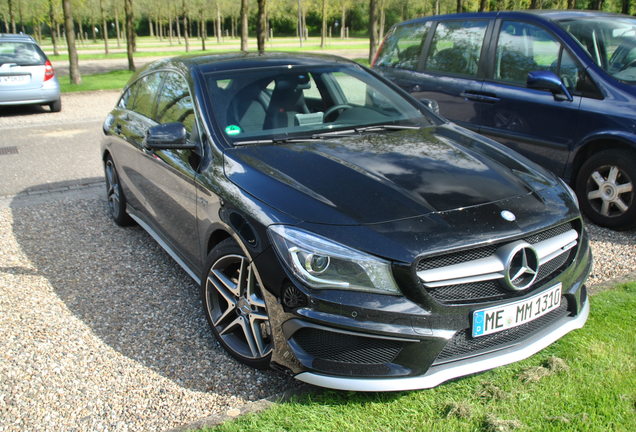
{"type": "Point", "coordinates": [571, 192]}
{"type": "Point", "coordinates": [321, 263]}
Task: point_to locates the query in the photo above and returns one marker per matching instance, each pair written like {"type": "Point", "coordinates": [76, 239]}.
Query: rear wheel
{"type": "Point", "coordinates": [235, 307]}
{"type": "Point", "coordinates": [606, 187]}
{"type": "Point", "coordinates": [115, 194]}
{"type": "Point", "coordinates": [56, 106]}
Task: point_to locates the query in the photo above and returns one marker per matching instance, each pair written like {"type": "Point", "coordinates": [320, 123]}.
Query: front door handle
{"type": "Point", "coordinates": [480, 97]}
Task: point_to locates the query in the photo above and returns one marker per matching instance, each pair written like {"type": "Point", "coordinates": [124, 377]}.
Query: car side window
{"type": "Point", "coordinates": [148, 88]}
{"type": "Point", "coordinates": [127, 99]}
{"type": "Point", "coordinates": [523, 48]}
{"type": "Point", "coordinates": [402, 48]}
{"type": "Point", "coordinates": [175, 102]}
{"type": "Point", "coordinates": [456, 47]}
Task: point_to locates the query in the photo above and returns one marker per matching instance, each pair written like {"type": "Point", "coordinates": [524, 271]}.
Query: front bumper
{"type": "Point", "coordinates": [441, 373]}
{"type": "Point", "coordinates": [365, 342]}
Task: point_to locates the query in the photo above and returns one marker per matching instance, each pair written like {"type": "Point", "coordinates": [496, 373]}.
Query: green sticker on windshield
{"type": "Point", "coordinates": [232, 130]}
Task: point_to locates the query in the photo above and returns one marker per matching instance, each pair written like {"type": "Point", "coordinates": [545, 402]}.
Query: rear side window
{"type": "Point", "coordinates": [146, 94]}
{"type": "Point", "coordinates": [456, 47]}
{"type": "Point", "coordinates": [523, 48]}
{"type": "Point", "coordinates": [21, 53]}
{"type": "Point", "coordinates": [175, 102]}
{"type": "Point", "coordinates": [402, 48]}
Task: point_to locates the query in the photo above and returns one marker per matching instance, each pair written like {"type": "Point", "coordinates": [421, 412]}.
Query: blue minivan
{"type": "Point", "coordinates": [556, 86]}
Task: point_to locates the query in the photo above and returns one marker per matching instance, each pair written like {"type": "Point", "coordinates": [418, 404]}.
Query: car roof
{"type": "Point", "coordinates": [550, 15]}
{"type": "Point", "coordinates": [16, 37]}
{"type": "Point", "coordinates": [230, 61]}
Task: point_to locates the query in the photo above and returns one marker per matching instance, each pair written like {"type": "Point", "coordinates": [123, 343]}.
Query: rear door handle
{"type": "Point", "coordinates": [480, 97]}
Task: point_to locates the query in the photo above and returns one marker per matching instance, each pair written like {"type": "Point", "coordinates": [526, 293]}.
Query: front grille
{"type": "Point", "coordinates": [345, 348]}
{"type": "Point", "coordinates": [464, 345]}
{"type": "Point", "coordinates": [490, 290]}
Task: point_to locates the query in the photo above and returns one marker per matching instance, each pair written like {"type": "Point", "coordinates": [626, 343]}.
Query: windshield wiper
{"type": "Point", "coordinates": [361, 129]}
{"type": "Point", "coordinates": [277, 141]}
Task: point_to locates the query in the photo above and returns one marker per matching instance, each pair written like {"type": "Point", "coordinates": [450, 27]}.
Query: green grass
{"type": "Point", "coordinates": [105, 81]}
{"type": "Point", "coordinates": [591, 386]}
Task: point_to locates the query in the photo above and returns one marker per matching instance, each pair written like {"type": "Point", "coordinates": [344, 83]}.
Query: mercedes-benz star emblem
{"type": "Point", "coordinates": [522, 267]}
{"type": "Point", "coordinates": [508, 215]}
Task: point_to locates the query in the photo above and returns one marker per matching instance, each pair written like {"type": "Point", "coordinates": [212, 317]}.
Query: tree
{"type": "Point", "coordinates": [104, 25]}
{"type": "Point", "coordinates": [261, 25]}
{"type": "Point", "coordinates": [323, 28]}
{"type": "Point", "coordinates": [130, 33]}
{"type": "Point", "coordinates": [244, 25]}
{"type": "Point", "coordinates": [69, 29]}
{"type": "Point", "coordinates": [373, 28]}
{"type": "Point", "coordinates": [53, 26]}
{"type": "Point", "coordinates": [12, 17]}
{"type": "Point", "coordinates": [184, 10]}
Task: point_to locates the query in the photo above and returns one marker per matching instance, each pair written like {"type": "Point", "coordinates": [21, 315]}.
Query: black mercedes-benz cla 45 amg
{"type": "Point", "coordinates": [339, 229]}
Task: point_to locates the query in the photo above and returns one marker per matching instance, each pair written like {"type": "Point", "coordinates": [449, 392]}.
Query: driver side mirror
{"type": "Point", "coordinates": [546, 80]}
{"type": "Point", "coordinates": [431, 104]}
{"type": "Point", "coordinates": [168, 136]}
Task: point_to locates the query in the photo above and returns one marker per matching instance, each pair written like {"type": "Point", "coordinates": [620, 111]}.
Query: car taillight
{"type": "Point", "coordinates": [48, 70]}
{"type": "Point", "coordinates": [377, 53]}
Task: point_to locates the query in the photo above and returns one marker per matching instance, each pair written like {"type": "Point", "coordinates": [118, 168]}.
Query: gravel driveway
{"type": "Point", "coordinates": [101, 331]}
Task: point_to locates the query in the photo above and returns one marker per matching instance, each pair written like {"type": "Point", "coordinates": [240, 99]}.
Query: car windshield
{"type": "Point", "coordinates": [610, 42]}
{"type": "Point", "coordinates": [20, 53]}
{"type": "Point", "coordinates": [280, 103]}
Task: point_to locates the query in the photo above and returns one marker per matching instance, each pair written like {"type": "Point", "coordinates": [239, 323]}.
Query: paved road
{"type": "Point", "coordinates": [40, 150]}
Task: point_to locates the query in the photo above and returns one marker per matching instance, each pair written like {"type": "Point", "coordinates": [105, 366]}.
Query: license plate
{"type": "Point", "coordinates": [14, 79]}
{"type": "Point", "coordinates": [498, 318]}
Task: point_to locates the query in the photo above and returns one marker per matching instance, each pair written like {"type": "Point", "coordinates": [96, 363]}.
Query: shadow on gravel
{"type": "Point", "coordinates": [21, 110]}
{"type": "Point", "coordinates": [131, 294]}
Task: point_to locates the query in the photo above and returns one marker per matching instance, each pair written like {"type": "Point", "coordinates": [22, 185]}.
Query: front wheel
{"type": "Point", "coordinates": [606, 189]}
{"type": "Point", "coordinates": [235, 307]}
{"type": "Point", "coordinates": [115, 194]}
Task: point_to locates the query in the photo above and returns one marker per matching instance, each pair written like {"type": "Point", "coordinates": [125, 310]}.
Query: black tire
{"type": "Point", "coordinates": [606, 188]}
{"type": "Point", "coordinates": [234, 305]}
{"type": "Point", "coordinates": [115, 194]}
{"type": "Point", "coordinates": [56, 106]}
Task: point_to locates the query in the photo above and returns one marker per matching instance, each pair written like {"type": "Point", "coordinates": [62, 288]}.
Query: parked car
{"type": "Point", "coordinates": [558, 87]}
{"type": "Point", "coordinates": [338, 229]}
{"type": "Point", "coordinates": [26, 74]}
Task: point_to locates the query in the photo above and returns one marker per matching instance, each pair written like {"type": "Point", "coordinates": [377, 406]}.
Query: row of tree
{"type": "Point", "coordinates": [180, 20]}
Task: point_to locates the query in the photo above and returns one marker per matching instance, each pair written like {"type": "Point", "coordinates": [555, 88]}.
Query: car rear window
{"type": "Point", "coordinates": [21, 53]}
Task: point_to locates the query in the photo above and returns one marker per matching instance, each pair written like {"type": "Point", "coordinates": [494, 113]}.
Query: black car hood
{"type": "Point", "coordinates": [381, 177]}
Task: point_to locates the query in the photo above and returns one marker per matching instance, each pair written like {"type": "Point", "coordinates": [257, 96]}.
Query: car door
{"type": "Point", "coordinates": [536, 123]}
{"type": "Point", "coordinates": [451, 70]}
{"type": "Point", "coordinates": [169, 175]}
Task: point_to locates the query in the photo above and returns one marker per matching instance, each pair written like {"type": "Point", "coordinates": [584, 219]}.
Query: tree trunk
{"type": "Point", "coordinates": [130, 33]}
{"type": "Point", "coordinates": [170, 27]}
{"type": "Point", "coordinates": [244, 25]}
{"type": "Point", "coordinates": [53, 26]}
{"type": "Point", "coordinates": [93, 32]}
{"type": "Point", "coordinates": [625, 7]}
{"type": "Point", "coordinates": [176, 23]}
{"type": "Point", "coordinates": [20, 17]}
{"type": "Point", "coordinates": [373, 28]}
{"type": "Point", "coordinates": [12, 17]}
{"type": "Point", "coordinates": [343, 18]}
{"type": "Point", "coordinates": [299, 25]}
{"type": "Point", "coordinates": [261, 25]}
{"type": "Point", "coordinates": [483, 5]}
{"type": "Point", "coordinates": [150, 28]}
{"type": "Point", "coordinates": [382, 22]}
{"type": "Point", "coordinates": [460, 6]}
{"type": "Point", "coordinates": [436, 7]}
{"type": "Point", "coordinates": [323, 29]}
{"type": "Point", "coordinates": [219, 35]}
{"type": "Point", "coordinates": [202, 25]}
{"type": "Point", "coordinates": [73, 66]}
{"type": "Point", "coordinates": [185, 26]}
{"type": "Point", "coordinates": [117, 29]}
{"type": "Point", "coordinates": [104, 26]}
{"type": "Point", "coordinates": [596, 4]}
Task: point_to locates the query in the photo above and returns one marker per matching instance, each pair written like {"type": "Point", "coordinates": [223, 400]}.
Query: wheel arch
{"type": "Point", "coordinates": [596, 144]}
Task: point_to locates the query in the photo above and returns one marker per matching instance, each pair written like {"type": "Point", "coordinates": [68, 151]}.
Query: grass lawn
{"type": "Point", "coordinates": [584, 382]}
{"type": "Point", "coordinates": [114, 80]}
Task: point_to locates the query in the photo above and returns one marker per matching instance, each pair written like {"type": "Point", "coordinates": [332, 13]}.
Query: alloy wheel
{"type": "Point", "coordinates": [609, 191]}
{"type": "Point", "coordinates": [236, 307]}
{"type": "Point", "coordinates": [112, 188]}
